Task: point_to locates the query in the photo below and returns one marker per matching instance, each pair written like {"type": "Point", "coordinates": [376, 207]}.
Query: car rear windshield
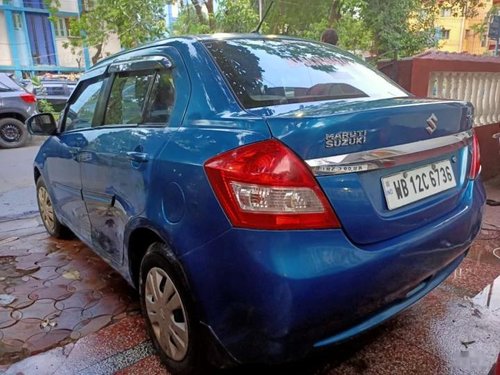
{"type": "Point", "coordinates": [265, 72]}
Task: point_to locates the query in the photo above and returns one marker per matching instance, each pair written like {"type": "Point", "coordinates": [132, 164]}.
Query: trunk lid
{"type": "Point", "coordinates": [389, 131]}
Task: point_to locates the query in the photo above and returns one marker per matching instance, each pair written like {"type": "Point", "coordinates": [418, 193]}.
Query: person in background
{"type": "Point", "coordinates": [330, 36]}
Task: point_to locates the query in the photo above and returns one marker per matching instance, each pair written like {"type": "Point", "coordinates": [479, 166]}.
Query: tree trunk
{"type": "Point", "coordinates": [334, 15]}
{"type": "Point", "coordinates": [211, 17]}
{"type": "Point", "coordinates": [98, 54]}
{"type": "Point", "coordinates": [199, 11]}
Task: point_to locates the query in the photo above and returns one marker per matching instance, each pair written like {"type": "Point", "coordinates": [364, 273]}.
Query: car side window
{"type": "Point", "coordinates": [126, 100]}
{"type": "Point", "coordinates": [81, 110]}
{"type": "Point", "coordinates": [161, 99]}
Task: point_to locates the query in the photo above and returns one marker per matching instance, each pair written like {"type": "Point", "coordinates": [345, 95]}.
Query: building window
{"type": "Point", "coordinates": [34, 4]}
{"type": "Point", "coordinates": [61, 27]}
{"type": "Point", "coordinates": [17, 20]}
{"type": "Point", "coordinates": [445, 34]}
{"type": "Point", "coordinates": [445, 12]}
{"type": "Point", "coordinates": [41, 38]}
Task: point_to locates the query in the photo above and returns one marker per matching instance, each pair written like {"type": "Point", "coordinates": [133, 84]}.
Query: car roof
{"type": "Point", "coordinates": [190, 39]}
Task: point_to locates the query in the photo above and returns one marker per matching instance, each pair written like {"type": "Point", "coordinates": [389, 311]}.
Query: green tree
{"type": "Point", "coordinates": [133, 21]}
{"type": "Point", "coordinates": [188, 22]}
{"type": "Point", "coordinates": [236, 16]}
{"type": "Point", "coordinates": [399, 27]}
{"type": "Point", "coordinates": [294, 17]}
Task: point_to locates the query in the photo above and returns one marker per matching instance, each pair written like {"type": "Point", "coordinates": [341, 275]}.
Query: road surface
{"type": "Point", "coordinates": [17, 188]}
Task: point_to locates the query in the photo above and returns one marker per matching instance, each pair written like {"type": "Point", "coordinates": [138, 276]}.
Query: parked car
{"type": "Point", "coordinates": [16, 105]}
{"type": "Point", "coordinates": [56, 92]}
{"type": "Point", "coordinates": [267, 196]}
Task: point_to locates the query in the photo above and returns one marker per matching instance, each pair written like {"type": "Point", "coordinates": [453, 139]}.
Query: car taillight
{"type": "Point", "coordinates": [265, 185]}
{"type": "Point", "coordinates": [28, 98]}
{"type": "Point", "coordinates": [475, 165]}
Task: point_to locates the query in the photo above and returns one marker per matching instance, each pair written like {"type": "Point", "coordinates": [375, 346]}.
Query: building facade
{"type": "Point", "coordinates": [30, 43]}
{"type": "Point", "coordinates": [461, 34]}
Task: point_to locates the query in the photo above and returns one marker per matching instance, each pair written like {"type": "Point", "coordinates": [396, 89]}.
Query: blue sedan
{"type": "Point", "coordinates": [267, 196]}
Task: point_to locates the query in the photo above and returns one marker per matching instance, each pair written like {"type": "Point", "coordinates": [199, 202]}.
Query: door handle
{"type": "Point", "coordinates": [140, 157]}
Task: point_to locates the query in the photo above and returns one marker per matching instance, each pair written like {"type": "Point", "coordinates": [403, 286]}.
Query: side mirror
{"type": "Point", "coordinates": [42, 124]}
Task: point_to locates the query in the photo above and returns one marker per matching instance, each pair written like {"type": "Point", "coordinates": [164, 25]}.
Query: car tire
{"type": "Point", "coordinates": [169, 312]}
{"type": "Point", "coordinates": [13, 133]}
{"type": "Point", "coordinates": [48, 214]}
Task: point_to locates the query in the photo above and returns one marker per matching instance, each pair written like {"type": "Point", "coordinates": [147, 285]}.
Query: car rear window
{"type": "Point", "coordinates": [264, 72]}
{"type": "Point", "coordinates": [56, 90]}
{"type": "Point", "coordinates": [9, 83]}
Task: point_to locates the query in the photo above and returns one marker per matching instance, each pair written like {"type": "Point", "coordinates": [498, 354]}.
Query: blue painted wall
{"type": "Point", "coordinates": [23, 48]}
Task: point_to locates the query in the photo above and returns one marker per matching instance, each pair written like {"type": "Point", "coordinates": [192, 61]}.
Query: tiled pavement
{"type": "Point", "coordinates": [53, 292]}
{"type": "Point", "coordinates": [64, 311]}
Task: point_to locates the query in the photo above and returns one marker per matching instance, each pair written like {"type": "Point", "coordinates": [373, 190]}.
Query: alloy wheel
{"type": "Point", "coordinates": [10, 133]}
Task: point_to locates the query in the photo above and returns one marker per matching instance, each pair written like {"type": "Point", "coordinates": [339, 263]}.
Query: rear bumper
{"type": "Point", "coordinates": [272, 296]}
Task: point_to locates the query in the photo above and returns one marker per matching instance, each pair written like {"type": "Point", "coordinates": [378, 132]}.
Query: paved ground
{"type": "Point", "coordinates": [63, 311]}
{"type": "Point", "coordinates": [17, 191]}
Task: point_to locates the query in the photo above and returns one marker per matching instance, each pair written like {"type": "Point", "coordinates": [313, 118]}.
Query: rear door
{"type": "Point", "coordinates": [139, 115]}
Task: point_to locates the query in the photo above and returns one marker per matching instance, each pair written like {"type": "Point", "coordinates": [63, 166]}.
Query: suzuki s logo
{"type": "Point", "coordinates": [432, 123]}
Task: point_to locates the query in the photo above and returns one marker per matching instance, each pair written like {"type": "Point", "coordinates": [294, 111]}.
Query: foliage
{"type": "Point", "coordinates": [393, 33]}
{"type": "Point", "coordinates": [459, 8]}
{"type": "Point", "coordinates": [291, 17]}
{"type": "Point", "coordinates": [52, 6]}
{"type": "Point", "coordinates": [133, 21]}
{"type": "Point", "coordinates": [188, 22]}
{"type": "Point", "coordinates": [383, 27]}
{"type": "Point", "coordinates": [378, 25]}
{"type": "Point", "coordinates": [353, 34]}
{"type": "Point", "coordinates": [43, 105]}
{"type": "Point", "coordinates": [236, 16]}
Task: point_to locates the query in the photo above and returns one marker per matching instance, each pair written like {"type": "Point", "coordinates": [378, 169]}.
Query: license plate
{"type": "Point", "coordinates": [410, 186]}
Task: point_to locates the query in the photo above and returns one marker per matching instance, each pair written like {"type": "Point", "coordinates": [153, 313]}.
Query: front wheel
{"type": "Point", "coordinates": [13, 133]}
{"type": "Point", "coordinates": [169, 312]}
{"type": "Point", "coordinates": [47, 213]}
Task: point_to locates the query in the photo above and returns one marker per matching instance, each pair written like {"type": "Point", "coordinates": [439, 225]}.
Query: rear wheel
{"type": "Point", "coordinates": [47, 213]}
{"type": "Point", "coordinates": [169, 312]}
{"type": "Point", "coordinates": [13, 133]}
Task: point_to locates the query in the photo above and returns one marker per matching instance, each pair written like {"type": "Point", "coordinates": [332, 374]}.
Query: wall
{"type": "Point", "coordinates": [453, 24]}
{"type": "Point", "coordinates": [32, 29]}
{"type": "Point", "coordinates": [5, 56]}
{"type": "Point", "coordinates": [66, 58]}
{"type": "Point", "coordinates": [22, 42]}
{"type": "Point", "coordinates": [68, 6]}
{"type": "Point", "coordinates": [111, 47]}
{"type": "Point", "coordinates": [490, 150]}
{"type": "Point", "coordinates": [461, 29]}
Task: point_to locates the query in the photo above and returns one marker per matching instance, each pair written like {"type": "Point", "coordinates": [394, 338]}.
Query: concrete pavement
{"type": "Point", "coordinates": [17, 189]}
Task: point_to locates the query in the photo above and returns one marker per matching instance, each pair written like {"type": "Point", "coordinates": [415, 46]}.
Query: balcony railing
{"type": "Point", "coordinates": [452, 76]}
{"type": "Point", "coordinates": [482, 89]}
{"type": "Point", "coordinates": [463, 77]}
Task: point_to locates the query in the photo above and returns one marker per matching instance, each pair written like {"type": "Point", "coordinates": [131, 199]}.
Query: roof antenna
{"type": "Point", "coordinates": [257, 30]}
